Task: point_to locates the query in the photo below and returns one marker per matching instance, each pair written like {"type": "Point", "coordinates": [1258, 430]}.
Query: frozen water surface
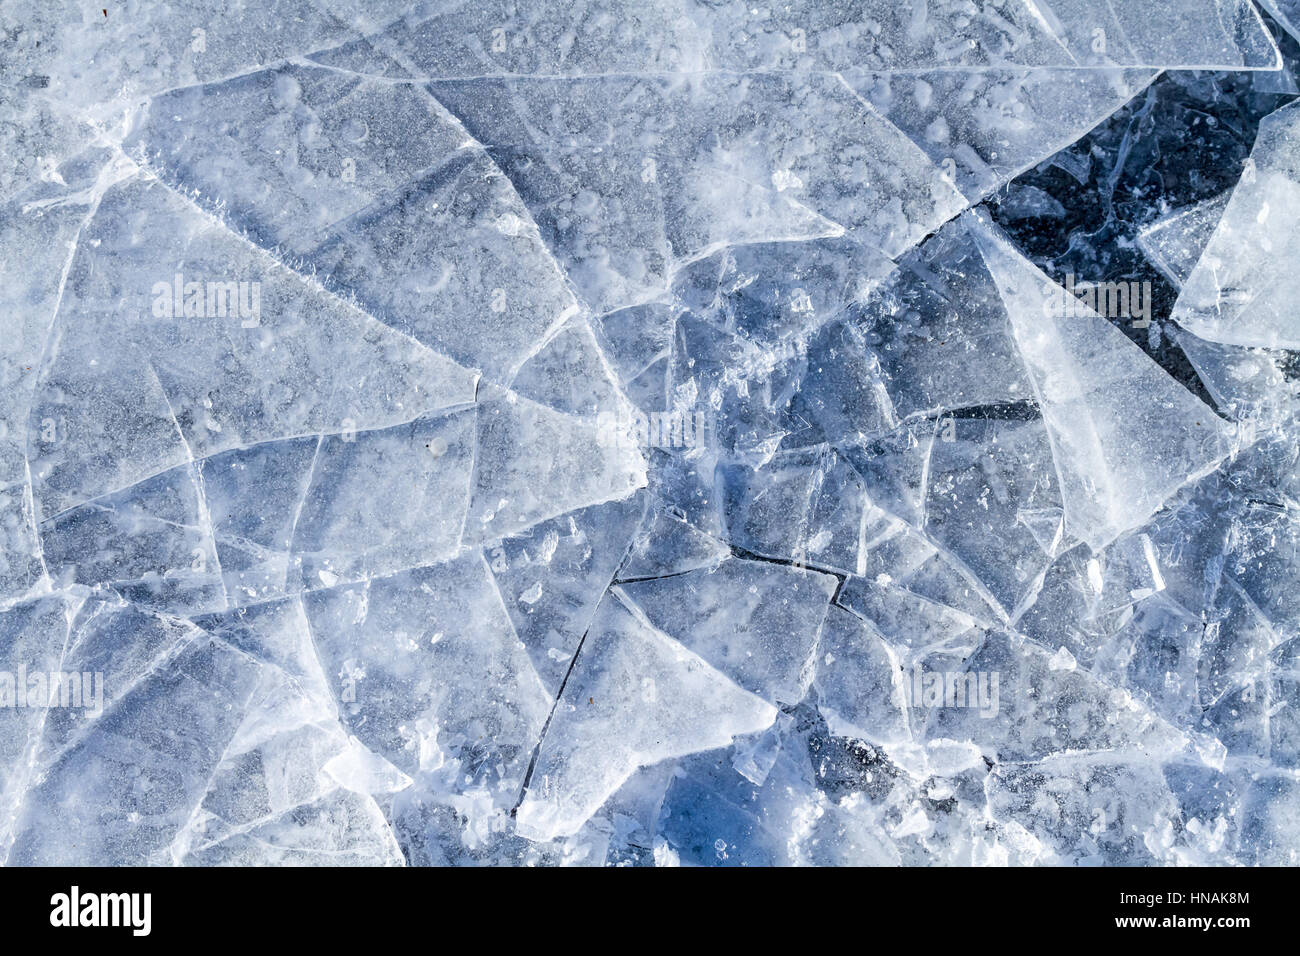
{"type": "Point", "coordinates": [643, 433]}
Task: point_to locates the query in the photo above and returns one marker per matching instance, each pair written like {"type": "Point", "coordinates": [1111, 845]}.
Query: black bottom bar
{"type": "Point", "coordinates": [336, 907]}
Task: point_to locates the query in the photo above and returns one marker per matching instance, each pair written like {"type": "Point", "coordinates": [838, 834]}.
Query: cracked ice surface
{"type": "Point", "coordinates": [649, 433]}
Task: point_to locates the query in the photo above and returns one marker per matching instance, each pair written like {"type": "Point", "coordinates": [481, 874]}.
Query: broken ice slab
{"type": "Point", "coordinates": [120, 641]}
{"type": "Point", "coordinates": [1283, 689]}
{"type": "Point", "coordinates": [552, 576]}
{"type": "Point", "coordinates": [665, 544]}
{"type": "Point", "coordinates": [882, 35]}
{"type": "Point", "coordinates": [755, 621]}
{"type": "Point", "coordinates": [341, 828]}
{"type": "Point", "coordinates": [38, 139]}
{"type": "Point", "coordinates": [81, 59]}
{"type": "Point", "coordinates": [253, 498]}
{"type": "Point", "coordinates": [1238, 294]}
{"type": "Point", "coordinates": [291, 763]}
{"type": "Point", "coordinates": [1089, 810]}
{"type": "Point", "coordinates": [859, 682]}
{"type": "Point", "coordinates": [120, 793]}
{"type": "Point", "coordinates": [909, 621]}
{"type": "Point", "coordinates": [1245, 383]}
{"type": "Point", "coordinates": [203, 343]}
{"type": "Point", "coordinates": [938, 577]}
{"type": "Point", "coordinates": [635, 697]}
{"type": "Point", "coordinates": [714, 816]}
{"type": "Point", "coordinates": [774, 294]}
{"type": "Point", "coordinates": [808, 506]}
{"type": "Point", "coordinates": [1087, 599]}
{"type": "Point", "coordinates": [1164, 641]}
{"type": "Point", "coordinates": [276, 633]}
{"type": "Point", "coordinates": [292, 151]}
{"type": "Point", "coordinates": [1034, 703]}
{"type": "Point", "coordinates": [858, 805]}
{"type": "Point", "coordinates": [907, 348]}
{"type": "Point", "coordinates": [1268, 828]}
{"type": "Point", "coordinates": [937, 316]}
{"type": "Point", "coordinates": [1235, 649]}
{"type": "Point", "coordinates": [33, 637]}
{"type": "Point", "coordinates": [348, 527]}
{"type": "Point", "coordinates": [601, 212]}
{"type": "Point", "coordinates": [153, 542]}
{"type": "Point", "coordinates": [38, 232]}
{"type": "Point", "coordinates": [387, 226]}
{"type": "Point", "coordinates": [891, 552]}
{"type": "Point", "coordinates": [736, 397]}
{"type": "Point", "coordinates": [435, 829]}
{"type": "Point", "coordinates": [728, 155]}
{"type": "Point", "coordinates": [985, 127]}
{"type": "Point", "coordinates": [426, 671]}
{"type": "Point", "coordinates": [1263, 556]}
{"type": "Point", "coordinates": [1174, 243]}
{"type": "Point", "coordinates": [257, 782]}
{"type": "Point", "coordinates": [633, 339]}
{"type": "Point", "coordinates": [894, 465]}
{"type": "Point", "coordinates": [548, 38]}
{"type": "Point", "coordinates": [1286, 13]}
{"type": "Point", "coordinates": [989, 485]}
{"type": "Point", "coordinates": [571, 374]}
{"type": "Point", "coordinates": [532, 463]}
{"type": "Point", "coordinates": [405, 259]}
{"type": "Point", "coordinates": [1125, 435]}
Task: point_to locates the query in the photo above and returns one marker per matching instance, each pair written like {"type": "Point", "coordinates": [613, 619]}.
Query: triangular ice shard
{"type": "Point", "coordinates": [1125, 436]}
{"type": "Point", "coordinates": [666, 545]}
{"type": "Point", "coordinates": [533, 463]}
{"type": "Point", "coordinates": [1241, 292]}
{"type": "Point", "coordinates": [859, 683]}
{"type": "Point", "coordinates": [1285, 12]}
{"type": "Point", "coordinates": [757, 622]}
{"type": "Point", "coordinates": [200, 344]}
{"type": "Point", "coordinates": [1244, 382]}
{"type": "Point", "coordinates": [635, 697]}
{"type": "Point", "coordinates": [570, 373]}
{"type": "Point", "coordinates": [1175, 243]}
{"type": "Point", "coordinates": [552, 576]}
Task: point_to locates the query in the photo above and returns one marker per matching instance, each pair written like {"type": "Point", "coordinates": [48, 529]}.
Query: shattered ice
{"type": "Point", "coordinates": [645, 433]}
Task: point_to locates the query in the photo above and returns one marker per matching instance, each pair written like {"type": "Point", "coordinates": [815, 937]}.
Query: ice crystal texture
{"type": "Point", "coordinates": [649, 433]}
